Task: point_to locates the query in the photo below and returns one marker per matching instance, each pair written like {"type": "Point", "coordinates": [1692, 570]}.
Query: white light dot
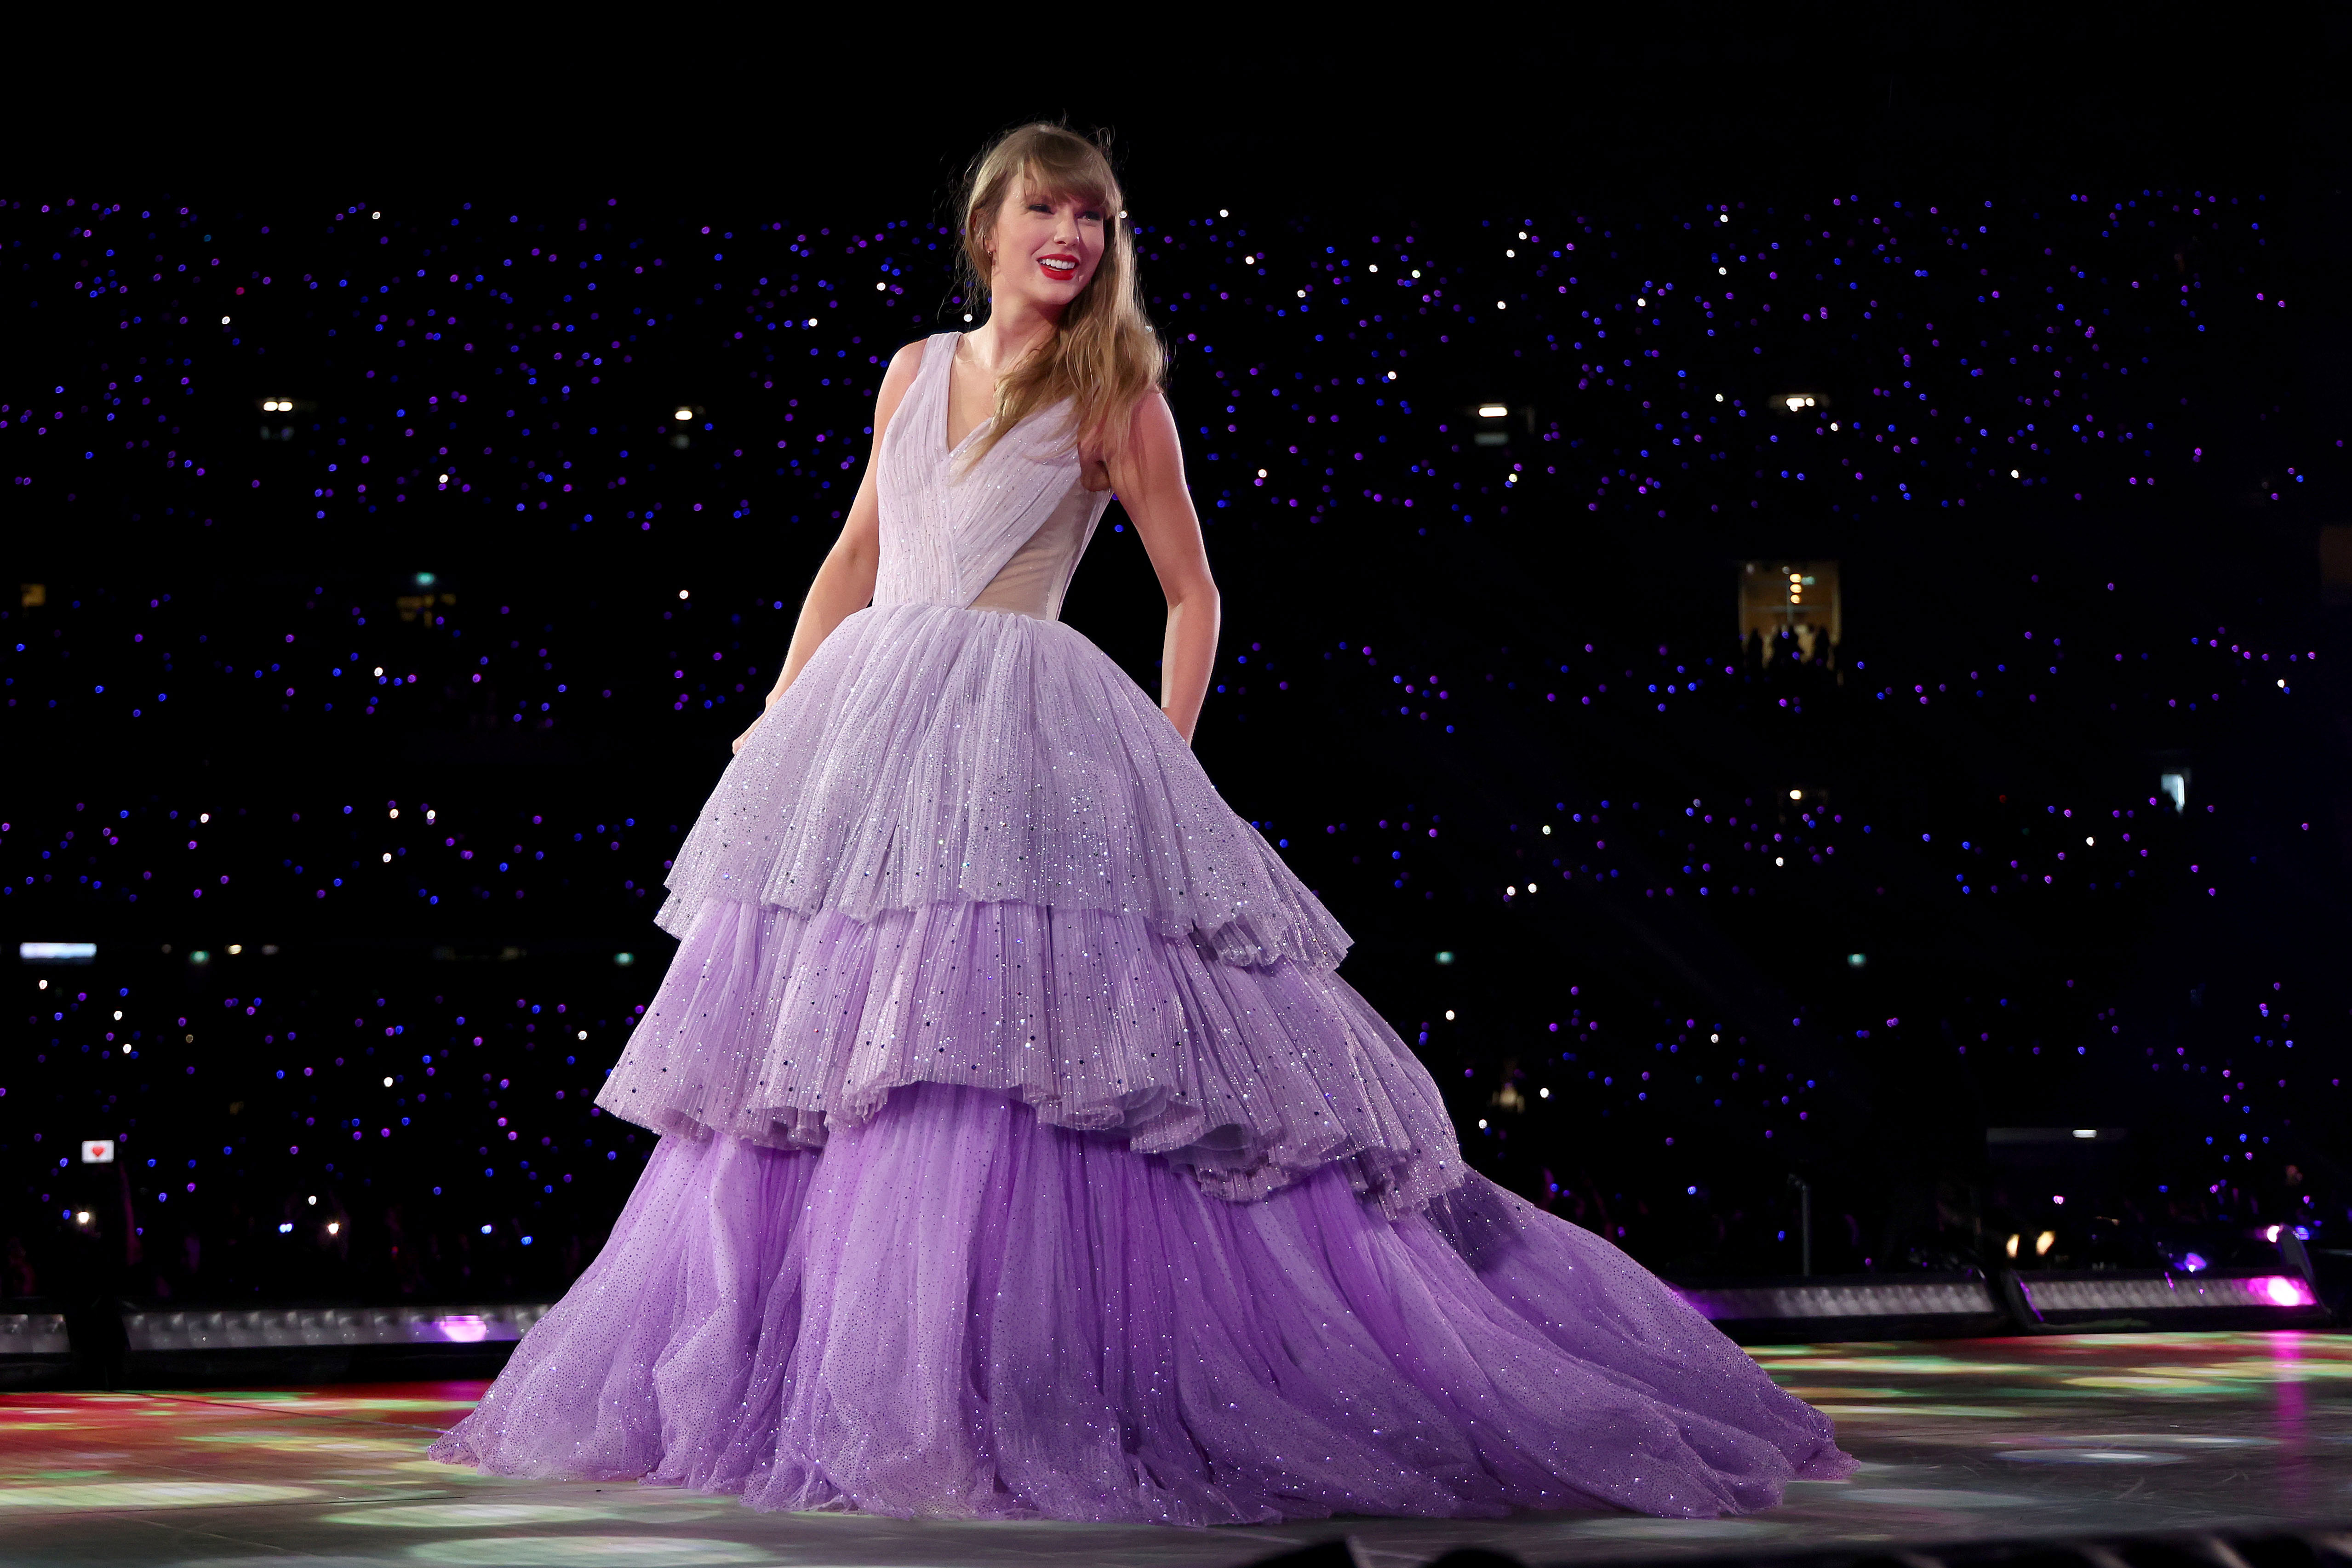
{"type": "Point", "coordinates": [387, 1083]}
{"type": "Point", "coordinates": [684, 413]}
{"type": "Point", "coordinates": [224, 320]}
{"type": "Point", "coordinates": [682, 593]}
{"type": "Point", "coordinates": [1222, 213]}
{"type": "Point", "coordinates": [1449, 1014]}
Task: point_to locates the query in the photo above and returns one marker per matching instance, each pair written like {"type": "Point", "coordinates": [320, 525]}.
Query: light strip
{"type": "Point", "coordinates": [2171, 1292]}
{"type": "Point", "coordinates": [1970, 1298]}
{"type": "Point", "coordinates": [275, 1328]}
{"type": "Point", "coordinates": [33, 1333]}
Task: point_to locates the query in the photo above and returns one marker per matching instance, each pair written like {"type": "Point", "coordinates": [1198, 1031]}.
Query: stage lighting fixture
{"type": "Point", "coordinates": [57, 952]}
{"type": "Point", "coordinates": [1492, 410]}
{"type": "Point", "coordinates": [274, 1327]}
{"type": "Point", "coordinates": [2045, 1242]}
{"type": "Point", "coordinates": [684, 413]}
{"type": "Point", "coordinates": [1960, 1302]}
{"type": "Point", "coordinates": [1855, 960]}
{"type": "Point", "coordinates": [2176, 786]}
{"type": "Point", "coordinates": [2047, 1294]}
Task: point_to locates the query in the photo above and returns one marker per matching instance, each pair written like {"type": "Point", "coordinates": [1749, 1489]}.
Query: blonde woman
{"type": "Point", "coordinates": [1023, 1153]}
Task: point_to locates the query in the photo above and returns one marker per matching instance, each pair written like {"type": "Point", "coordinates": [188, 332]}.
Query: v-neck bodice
{"type": "Point", "coordinates": [1004, 532]}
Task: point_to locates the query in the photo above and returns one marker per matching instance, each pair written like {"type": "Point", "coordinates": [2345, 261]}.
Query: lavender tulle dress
{"type": "Point", "coordinates": [1022, 1154]}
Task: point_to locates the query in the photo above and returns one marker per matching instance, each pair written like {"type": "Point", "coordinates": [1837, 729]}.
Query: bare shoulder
{"type": "Point", "coordinates": [1152, 425]}
{"type": "Point", "coordinates": [896, 377]}
{"type": "Point", "coordinates": [904, 365]}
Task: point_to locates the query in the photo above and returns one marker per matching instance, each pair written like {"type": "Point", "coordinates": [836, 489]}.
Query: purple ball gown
{"type": "Point", "coordinates": [1022, 1154]}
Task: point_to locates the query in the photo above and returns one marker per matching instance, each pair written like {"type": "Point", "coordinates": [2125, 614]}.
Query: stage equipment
{"type": "Point", "coordinates": [315, 1344]}
{"type": "Point", "coordinates": [34, 1348]}
{"type": "Point", "coordinates": [1852, 1306]}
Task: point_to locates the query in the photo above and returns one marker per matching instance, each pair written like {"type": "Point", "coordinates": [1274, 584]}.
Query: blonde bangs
{"type": "Point", "coordinates": [1105, 358]}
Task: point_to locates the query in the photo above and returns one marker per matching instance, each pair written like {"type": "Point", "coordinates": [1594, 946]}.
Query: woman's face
{"type": "Point", "coordinates": [1046, 249]}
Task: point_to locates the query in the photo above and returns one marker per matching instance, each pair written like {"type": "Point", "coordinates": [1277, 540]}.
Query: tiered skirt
{"type": "Point", "coordinates": [1024, 1155]}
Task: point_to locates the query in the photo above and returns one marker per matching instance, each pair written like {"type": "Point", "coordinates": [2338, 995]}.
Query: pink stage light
{"type": "Point", "coordinates": [466, 1329]}
{"type": "Point", "coordinates": [2283, 1291]}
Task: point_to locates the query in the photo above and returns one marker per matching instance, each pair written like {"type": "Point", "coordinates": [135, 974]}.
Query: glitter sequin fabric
{"type": "Point", "coordinates": [1026, 1155]}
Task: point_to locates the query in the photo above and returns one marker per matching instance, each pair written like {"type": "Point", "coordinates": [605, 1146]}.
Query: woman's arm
{"type": "Point", "coordinates": [1149, 482]}
{"type": "Point", "coordinates": [845, 584]}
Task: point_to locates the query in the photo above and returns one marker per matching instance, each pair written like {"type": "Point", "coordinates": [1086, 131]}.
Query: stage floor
{"type": "Point", "coordinates": [1960, 1440]}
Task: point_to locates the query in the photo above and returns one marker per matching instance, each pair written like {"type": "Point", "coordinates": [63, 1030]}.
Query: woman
{"type": "Point", "coordinates": [1023, 1155]}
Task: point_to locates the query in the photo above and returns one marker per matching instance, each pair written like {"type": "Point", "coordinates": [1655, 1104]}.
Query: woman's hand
{"type": "Point", "coordinates": [747, 733]}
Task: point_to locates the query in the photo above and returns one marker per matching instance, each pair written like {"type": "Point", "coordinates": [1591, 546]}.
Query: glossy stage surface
{"type": "Point", "coordinates": [1960, 1440]}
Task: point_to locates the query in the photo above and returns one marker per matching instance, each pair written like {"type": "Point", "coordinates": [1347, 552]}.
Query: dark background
{"type": "Point", "coordinates": [2118, 1006]}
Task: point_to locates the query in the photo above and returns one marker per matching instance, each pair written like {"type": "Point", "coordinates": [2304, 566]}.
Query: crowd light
{"type": "Point", "coordinates": [1546, 487]}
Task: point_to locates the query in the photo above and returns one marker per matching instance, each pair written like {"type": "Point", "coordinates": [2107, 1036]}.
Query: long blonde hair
{"type": "Point", "coordinates": [1105, 358]}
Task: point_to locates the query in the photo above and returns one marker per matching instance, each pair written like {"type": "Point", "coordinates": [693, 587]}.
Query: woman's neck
{"type": "Point", "coordinates": [1011, 331]}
